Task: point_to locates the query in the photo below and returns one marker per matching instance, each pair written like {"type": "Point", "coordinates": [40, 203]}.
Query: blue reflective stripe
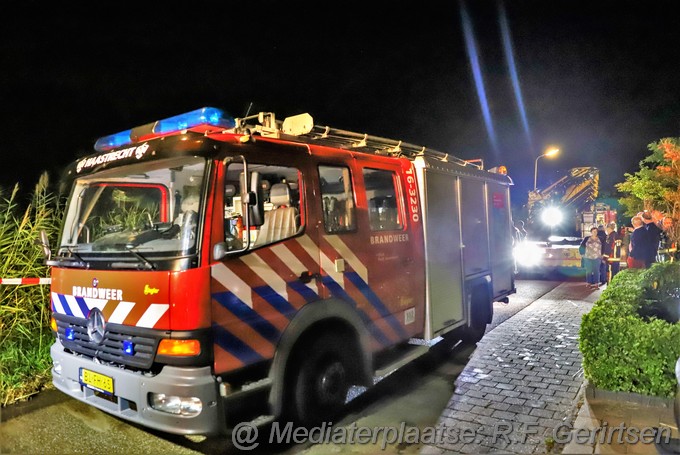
{"type": "Point", "coordinates": [64, 304]}
{"type": "Point", "coordinates": [274, 299]}
{"type": "Point", "coordinates": [235, 346]}
{"type": "Point", "coordinates": [308, 294]}
{"type": "Point", "coordinates": [375, 301]}
{"type": "Point", "coordinates": [83, 306]}
{"type": "Point", "coordinates": [246, 314]}
{"type": "Point", "coordinates": [339, 292]}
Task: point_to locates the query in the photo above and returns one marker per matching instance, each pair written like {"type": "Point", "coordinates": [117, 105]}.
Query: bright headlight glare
{"type": "Point", "coordinates": [528, 254]}
{"type": "Point", "coordinates": [186, 406]}
{"type": "Point", "coordinates": [552, 216]}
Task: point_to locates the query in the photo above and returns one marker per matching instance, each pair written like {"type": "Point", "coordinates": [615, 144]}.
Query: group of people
{"type": "Point", "coordinates": [644, 241]}
{"type": "Point", "coordinates": [601, 250]}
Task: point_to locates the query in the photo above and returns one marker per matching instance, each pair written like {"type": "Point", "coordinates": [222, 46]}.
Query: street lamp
{"type": "Point", "coordinates": [550, 152]}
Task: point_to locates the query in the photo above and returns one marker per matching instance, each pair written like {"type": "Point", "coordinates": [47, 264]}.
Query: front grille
{"type": "Point", "coordinates": [110, 350]}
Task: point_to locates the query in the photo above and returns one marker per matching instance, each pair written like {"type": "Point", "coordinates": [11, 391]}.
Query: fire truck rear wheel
{"type": "Point", "coordinates": [480, 308]}
{"type": "Point", "coordinates": [473, 333]}
{"type": "Point", "coordinates": [323, 374]}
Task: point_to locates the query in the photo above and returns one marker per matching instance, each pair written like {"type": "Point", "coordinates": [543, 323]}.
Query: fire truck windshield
{"type": "Point", "coordinates": [138, 212]}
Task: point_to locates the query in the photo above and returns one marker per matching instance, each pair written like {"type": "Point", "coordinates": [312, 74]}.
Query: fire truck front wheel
{"type": "Point", "coordinates": [322, 375]}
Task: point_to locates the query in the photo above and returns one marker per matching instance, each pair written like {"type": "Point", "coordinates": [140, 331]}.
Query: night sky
{"type": "Point", "coordinates": [599, 80]}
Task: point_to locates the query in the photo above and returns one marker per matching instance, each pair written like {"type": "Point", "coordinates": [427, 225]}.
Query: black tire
{"type": "Point", "coordinates": [323, 373]}
{"type": "Point", "coordinates": [472, 333]}
{"type": "Point", "coordinates": [480, 306]}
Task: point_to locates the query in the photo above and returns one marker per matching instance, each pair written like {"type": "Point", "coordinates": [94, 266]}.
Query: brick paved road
{"type": "Point", "coordinates": [522, 379]}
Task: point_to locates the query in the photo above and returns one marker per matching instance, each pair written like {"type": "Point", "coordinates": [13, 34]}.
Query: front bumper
{"type": "Point", "coordinates": [132, 389]}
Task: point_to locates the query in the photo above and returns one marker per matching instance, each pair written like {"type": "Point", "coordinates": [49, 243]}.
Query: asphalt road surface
{"type": "Point", "coordinates": [414, 396]}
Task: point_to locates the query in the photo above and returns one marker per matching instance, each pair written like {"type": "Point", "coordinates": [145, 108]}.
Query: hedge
{"type": "Point", "coordinates": [630, 340]}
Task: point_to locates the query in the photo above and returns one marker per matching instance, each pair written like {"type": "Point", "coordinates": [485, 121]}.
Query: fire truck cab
{"type": "Point", "coordinates": [212, 270]}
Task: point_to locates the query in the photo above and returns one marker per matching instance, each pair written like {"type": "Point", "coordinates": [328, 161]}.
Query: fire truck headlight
{"type": "Point", "coordinates": [56, 366]}
{"type": "Point", "coordinates": [552, 216]}
{"type": "Point", "coordinates": [528, 254]}
{"type": "Point", "coordinates": [185, 406]}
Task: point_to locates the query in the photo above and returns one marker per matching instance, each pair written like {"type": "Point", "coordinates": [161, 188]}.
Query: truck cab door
{"type": "Point", "coordinates": [392, 244]}
{"type": "Point", "coordinates": [270, 268]}
{"type": "Point", "coordinates": [368, 253]}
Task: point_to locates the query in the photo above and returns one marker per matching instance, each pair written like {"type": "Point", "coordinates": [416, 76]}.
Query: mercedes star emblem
{"type": "Point", "coordinates": [96, 325]}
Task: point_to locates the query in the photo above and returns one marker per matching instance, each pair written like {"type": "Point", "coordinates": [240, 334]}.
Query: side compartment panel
{"type": "Point", "coordinates": [475, 228]}
{"type": "Point", "coordinates": [500, 239]}
{"type": "Point", "coordinates": [443, 252]}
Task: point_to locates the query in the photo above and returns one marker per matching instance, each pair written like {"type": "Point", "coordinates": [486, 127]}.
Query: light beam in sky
{"type": "Point", "coordinates": [510, 59]}
{"type": "Point", "coordinates": [473, 56]}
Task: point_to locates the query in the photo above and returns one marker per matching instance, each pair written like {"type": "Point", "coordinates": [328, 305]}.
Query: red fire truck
{"type": "Point", "coordinates": [212, 270]}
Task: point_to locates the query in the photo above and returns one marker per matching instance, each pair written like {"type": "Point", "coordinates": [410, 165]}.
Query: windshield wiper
{"type": "Point", "coordinates": [147, 264]}
{"type": "Point", "coordinates": [82, 262]}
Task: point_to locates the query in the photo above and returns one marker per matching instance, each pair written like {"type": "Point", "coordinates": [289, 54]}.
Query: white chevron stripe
{"type": "Point", "coordinates": [73, 305]}
{"type": "Point", "coordinates": [348, 255]}
{"type": "Point", "coordinates": [121, 312]}
{"type": "Point", "coordinates": [152, 314]}
{"type": "Point", "coordinates": [308, 245]}
{"type": "Point", "coordinates": [329, 267]}
{"type": "Point", "coordinates": [95, 303]}
{"type": "Point", "coordinates": [294, 264]}
{"type": "Point", "coordinates": [232, 282]}
{"type": "Point", "coordinates": [265, 272]}
{"type": "Point", "coordinates": [326, 264]}
{"type": "Point", "coordinates": [58, 307]}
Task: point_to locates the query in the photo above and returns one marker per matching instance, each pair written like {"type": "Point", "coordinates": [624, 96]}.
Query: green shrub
{"type": "Point", "coordinates": [626, 345]}
{"type": "Point", "coordinates": [25, 336]}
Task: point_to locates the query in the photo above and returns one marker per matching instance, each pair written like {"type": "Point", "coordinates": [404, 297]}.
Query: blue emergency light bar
{"type": "Point", "coordinates": [204, 116]}
{"type": "Point", "coordinates": [113, 141]}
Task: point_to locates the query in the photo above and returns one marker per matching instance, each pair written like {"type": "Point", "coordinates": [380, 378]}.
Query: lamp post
{"type": "Point", "coordinates": [549, 152]}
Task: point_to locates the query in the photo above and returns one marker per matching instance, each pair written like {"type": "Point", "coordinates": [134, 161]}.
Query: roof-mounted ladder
{"type": "Point", "coordinates": [301, 128]}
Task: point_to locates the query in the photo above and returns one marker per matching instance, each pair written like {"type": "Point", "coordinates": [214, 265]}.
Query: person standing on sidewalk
{"type": "Point", "coordinates": [651, 239]}
{"type": "Point", "coordinates": [635, 254]}
{"type": "Point", "coordinates": [613, 251]}
{"type": "Point", "coordinates": [602, 235]}
{"type": "Point", "coordinates": [592, 258]}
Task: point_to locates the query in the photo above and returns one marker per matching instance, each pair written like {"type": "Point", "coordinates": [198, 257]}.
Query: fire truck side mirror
{"type": "Point", "coordinates": [255, 199]}
{"type": "Point", "coordinates": [44, 244]}
{"type": "Point", "coordinates": [220, 250]}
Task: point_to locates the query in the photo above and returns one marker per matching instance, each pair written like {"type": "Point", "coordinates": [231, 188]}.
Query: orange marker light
{"type": "Point", "coordinates": [503, 170]}
{"type": "Point", "coordinates": [179, 347]}
{"type": "Point", "coordinates": [53, 324]}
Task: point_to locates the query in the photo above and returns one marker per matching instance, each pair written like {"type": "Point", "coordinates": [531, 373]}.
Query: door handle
{"type": "Point", "coordinates": [307, 277]}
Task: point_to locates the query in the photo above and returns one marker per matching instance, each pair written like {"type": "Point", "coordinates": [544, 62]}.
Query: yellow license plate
{"type": "Point", "coordinates": [96, 381]}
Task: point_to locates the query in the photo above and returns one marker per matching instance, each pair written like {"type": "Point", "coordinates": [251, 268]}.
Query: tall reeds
{"type": "Point", "coordinates": [25, 336]}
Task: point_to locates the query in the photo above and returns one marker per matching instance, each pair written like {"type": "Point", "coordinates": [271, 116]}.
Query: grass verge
{"type": "Point", "coordinates": [25, 336]}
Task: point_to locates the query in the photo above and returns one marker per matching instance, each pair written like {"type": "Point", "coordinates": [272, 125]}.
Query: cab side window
{"type": "Point", "coordinates": [383, 205]}
{"type": "Point", "coordinates": [283, 217]}
{"type": "Point", "coordinates": [337, 199]}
